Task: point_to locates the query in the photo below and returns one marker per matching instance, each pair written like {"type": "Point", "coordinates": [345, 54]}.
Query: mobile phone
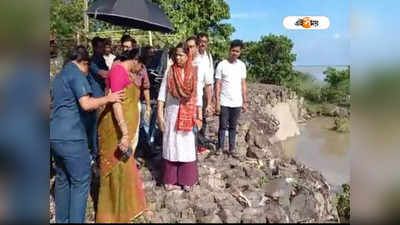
{"type": "Point", "coordinates": [195, 129]}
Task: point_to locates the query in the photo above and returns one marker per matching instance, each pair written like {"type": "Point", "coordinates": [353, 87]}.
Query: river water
{"type": "Point", "coordinates": [322, 149]}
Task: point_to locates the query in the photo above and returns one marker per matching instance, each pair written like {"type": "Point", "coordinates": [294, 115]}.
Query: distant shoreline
{"type": "Point", "coordinates": [317, 70]}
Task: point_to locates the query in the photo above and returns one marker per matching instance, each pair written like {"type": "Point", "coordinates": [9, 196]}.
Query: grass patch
{"type": "Point", "coordinates": [343, 203]}
{"type": "Point", "coordinates": [263, 180]}
{"type": "Point", "coordinates": [342, 125]}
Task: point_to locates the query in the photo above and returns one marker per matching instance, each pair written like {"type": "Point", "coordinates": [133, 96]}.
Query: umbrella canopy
{"type": "Point", "coordinates": [140, 14]}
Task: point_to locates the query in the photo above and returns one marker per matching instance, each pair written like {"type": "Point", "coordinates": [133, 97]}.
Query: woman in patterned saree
{"type": "Point", "coordinates": [121, 196]}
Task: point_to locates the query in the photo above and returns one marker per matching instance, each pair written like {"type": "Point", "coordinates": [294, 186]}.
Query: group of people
{"type": "Point", "coordinates": [102, 102]}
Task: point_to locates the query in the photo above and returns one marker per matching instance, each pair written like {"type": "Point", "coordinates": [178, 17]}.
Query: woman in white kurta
{"type": "Point", "coordinates": [178, 92]}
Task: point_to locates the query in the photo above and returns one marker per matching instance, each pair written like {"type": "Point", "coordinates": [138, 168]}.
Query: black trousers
{"type": "Point", "coordinates": [203, 130]}
{"type": "Point", "coordinates": [228, 121]}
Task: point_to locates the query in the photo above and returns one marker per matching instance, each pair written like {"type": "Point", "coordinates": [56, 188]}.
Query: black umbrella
{"type": "Point", "coordinates": [141, 14]}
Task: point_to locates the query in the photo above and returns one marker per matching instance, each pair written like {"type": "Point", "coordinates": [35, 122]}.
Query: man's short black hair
{"type": "Point", "coordinates": [133, 54]}
{"type": "Point", "coordinates": [200, 35]}
{"type": "Point", "coordinates": [192, 38]}
{"type": "Point", "coordinates": [237, 43]}
{"type": "Point", "coordinates": [97, 41]}
{"type": "Point", "coordinates": [127, 37]}
{"type": "Point", "coordinates": [107, 41]}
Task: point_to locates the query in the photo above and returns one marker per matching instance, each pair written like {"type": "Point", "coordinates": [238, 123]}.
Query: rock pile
{"type": "Point", "coordinates": [262, 185]}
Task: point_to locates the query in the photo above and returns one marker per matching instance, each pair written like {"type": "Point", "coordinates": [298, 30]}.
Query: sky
{"type": "Point", "coordinates": [255, 18]}
{"type": "Point", "coordinates": [375, 38]}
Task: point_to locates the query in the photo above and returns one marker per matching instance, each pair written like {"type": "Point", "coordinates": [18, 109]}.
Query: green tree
{"type": "Point", "coordinates": [188, 18]}
{"type": "Point", "coordinates": [195, 16]}
{"type": "Point", "coordinates": [304, 84]}
{"type": "Point", "coordinates": [334, 77]}
{"type": "Point", "coordinates": [338, 89]}
{"type": "Point", "coordinates": [270, 60]}
{"type": "Point", "coordinates": [67, 18]}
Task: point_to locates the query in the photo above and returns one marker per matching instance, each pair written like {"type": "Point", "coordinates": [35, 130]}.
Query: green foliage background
{"type": "Point", "coordinates": [269, 60]}
{"type": "Point", "coordinates": [188, 18]}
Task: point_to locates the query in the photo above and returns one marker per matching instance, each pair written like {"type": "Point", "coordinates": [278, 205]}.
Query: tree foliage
{"type": "Point", "coordinates": [338, 90]}
{"type": "Point", "coordinates": [335, 77]}
{"type": "Point", "coordinates": [67, 18]}
{"type": "Point", "coordinates": [270, 60]}
{"type": "Point", "coordinates": [343, 205]}
{"type": "Point", "coordinates": [305, 85]}
{"type": "Point", "coordinates": [187, 17]}
{"type": "Point", "coordinates": [195, 16]}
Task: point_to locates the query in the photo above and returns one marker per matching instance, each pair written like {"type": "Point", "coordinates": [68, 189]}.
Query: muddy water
{"type": "Point", "coordinates": [322, 149]}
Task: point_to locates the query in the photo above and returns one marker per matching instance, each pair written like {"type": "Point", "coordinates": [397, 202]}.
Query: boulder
{"type": "Point", "coordinates": [187, 216]}
{"type": "Point", "coordinates": [203, 208]}
{"type": "Point", "coordinates": [253, 215]}
{"type": "Point", "coordinates": [256, 153]}
{"type": "Point", "coordinates": [229, 216]}
{"type": "Point", "coordinates": [261, 141]}
{"type": "Point", "coordinates": [275, 214]}
{"type": "Point", "coordinates": [302, 208]}
{"type": "Point", "coordinates": [213, 218]}
{"type": "Point", "coordinates": [277, 188]}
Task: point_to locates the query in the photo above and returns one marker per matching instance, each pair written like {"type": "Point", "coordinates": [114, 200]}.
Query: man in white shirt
{"type": "Point", "coordinates": [205, 74]}
{"type": "Point", "coordinates": [231, 95]}
{"type": "Point", "coordinates": [205, 78]}
{"type": "Point", "coordinates": [205, 62]}
{"type": "Point", "coordinates": [108, 56]}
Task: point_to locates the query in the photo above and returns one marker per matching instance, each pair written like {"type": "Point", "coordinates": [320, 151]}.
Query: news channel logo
{"type": "Point", "coordinates": [306, 22]}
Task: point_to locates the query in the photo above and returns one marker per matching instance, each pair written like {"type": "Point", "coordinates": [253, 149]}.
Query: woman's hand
{"type": "Point", "coordinates": [115, 96]}
{"type": "Point", "coordinates": [124, 143]}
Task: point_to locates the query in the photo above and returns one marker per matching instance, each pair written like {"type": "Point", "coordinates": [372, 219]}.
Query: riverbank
{"type": "Point", "coordinates": [323, 149]}
{"type": "Point", "coordinates": [261, 185]}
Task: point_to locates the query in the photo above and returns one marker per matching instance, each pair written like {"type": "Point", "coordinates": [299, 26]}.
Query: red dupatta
{"type": "Point", "coordinates": [184, 89]}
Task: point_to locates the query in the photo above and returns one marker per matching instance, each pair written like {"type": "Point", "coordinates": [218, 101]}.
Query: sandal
{"type": "Point", "coordinates": [187, 188]}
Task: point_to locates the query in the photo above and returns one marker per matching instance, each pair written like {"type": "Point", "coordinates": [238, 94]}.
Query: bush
{"type": "Point", "coordinates": [342, 125]}
{"type": "Point", "coordinates": [304, 85]}
{"type": "Point", "coordinates": [270, 60]}
{"type": "Point", "coordinates": [338, 89]}
{"type": "Point", "coordinates": [343, 203]}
